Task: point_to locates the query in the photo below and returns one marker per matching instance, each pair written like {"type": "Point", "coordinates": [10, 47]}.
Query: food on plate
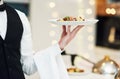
{"type": "Point", "coordinates": [70, 18]}
{"type": "Point", "coordinates": [72, 70]}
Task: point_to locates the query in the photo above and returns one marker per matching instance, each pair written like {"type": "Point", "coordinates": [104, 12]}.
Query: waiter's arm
{"type": "Point", "coordinates": [28, 59]}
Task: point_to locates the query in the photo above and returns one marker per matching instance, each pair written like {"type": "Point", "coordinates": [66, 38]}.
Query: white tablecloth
{"type": "Point", "coordinates": [91, 76]}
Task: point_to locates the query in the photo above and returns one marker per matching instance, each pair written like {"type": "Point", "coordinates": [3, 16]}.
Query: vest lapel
{"type": "Point", "coordinates": [13, 22]}
{"type": "Point", "coordinates": [1, 39]}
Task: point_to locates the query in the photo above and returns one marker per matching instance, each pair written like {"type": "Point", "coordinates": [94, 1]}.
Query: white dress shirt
{"type": "Point", "coordinates": [48, 62]}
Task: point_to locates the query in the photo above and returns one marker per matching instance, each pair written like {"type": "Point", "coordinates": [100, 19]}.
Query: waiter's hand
{"type": "Point", "coordinates": [67, 35]}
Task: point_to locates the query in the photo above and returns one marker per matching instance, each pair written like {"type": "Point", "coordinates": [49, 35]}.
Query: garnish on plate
{"type": "Point", "coordinates": [70, 18]}
{"type": "Point", "coordinates": [74, 70]}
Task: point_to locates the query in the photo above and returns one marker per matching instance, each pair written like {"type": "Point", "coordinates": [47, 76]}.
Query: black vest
{"type": "Point", "coordinates": [10, 65]}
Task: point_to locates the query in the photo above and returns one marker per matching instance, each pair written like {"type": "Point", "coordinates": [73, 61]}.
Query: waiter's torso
{"type": "Point", "coordinates": [10, 38]}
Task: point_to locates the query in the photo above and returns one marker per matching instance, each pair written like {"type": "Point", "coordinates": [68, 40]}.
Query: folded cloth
{"type": "Point", "coordinates": [50, 64]}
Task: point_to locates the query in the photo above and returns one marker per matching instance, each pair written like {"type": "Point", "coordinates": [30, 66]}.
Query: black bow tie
{"type": "Point", "coordinates": [2, 7]}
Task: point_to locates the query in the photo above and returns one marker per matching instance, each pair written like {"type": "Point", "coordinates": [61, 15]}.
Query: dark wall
{"type": "Point", "coordinates": [103, 30]}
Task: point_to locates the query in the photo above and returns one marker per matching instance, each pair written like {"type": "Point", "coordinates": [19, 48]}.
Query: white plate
{"type": "Point", "coordinates": [74, 23]}
{"type": "Point", "coordinates": [78, 74]}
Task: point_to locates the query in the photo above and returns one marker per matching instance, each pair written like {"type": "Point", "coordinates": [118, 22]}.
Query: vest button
{"type": "Point", "coordinates": [5, 45]}
{"type": "Point", "coordinates": [8, 57]}
{"type": "Point", "coordinates": [10, 69]}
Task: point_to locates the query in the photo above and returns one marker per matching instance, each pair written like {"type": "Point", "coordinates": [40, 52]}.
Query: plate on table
{"type": "Point", "coordinates": [76, 71]}
{"type": "Point", "coordinates": [78, 74]}
{"type": "Point", "coordinates": [73, 23]}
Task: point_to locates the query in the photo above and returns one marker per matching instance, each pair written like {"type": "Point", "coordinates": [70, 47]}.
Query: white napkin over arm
{"type": "Point", "coordinates": [50, 64]}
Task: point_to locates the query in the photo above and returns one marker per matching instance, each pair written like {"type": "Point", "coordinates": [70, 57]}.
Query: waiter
{"type": "Point", "coordinates": [16, 53]}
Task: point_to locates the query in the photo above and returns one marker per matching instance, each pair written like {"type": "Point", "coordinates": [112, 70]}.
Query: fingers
{"type": "Point", "coordinates": [68, 29]}
{"type": "Point", "coordinates": [64, 28]}
{"type": "Point", "coordinates": [75, 30]}
{"type": "Point", "coordinates": [63, 31]}
{"type": "Point", "coordinates": [81, 25]}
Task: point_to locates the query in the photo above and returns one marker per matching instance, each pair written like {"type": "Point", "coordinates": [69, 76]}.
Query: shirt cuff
{"type": "Point", "coordinates": [56, 48]}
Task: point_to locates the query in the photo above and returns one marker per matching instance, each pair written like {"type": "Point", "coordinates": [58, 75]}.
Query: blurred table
{"type": "Point", "coordinates": [91, 76]}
